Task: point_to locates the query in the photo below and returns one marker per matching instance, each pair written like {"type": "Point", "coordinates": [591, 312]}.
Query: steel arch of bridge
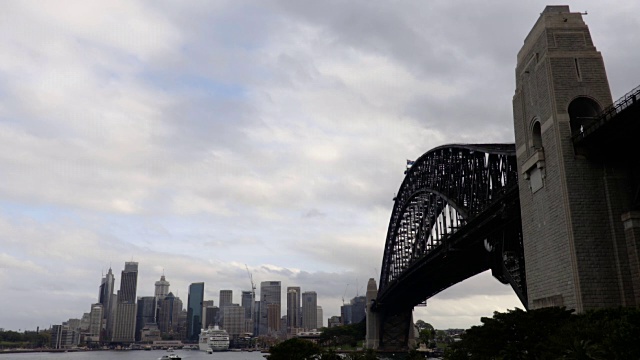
{"type": "Point", "coordinates": [457, 211]}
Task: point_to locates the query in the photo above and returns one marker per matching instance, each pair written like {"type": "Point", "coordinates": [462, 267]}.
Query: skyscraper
{"type": "Point", "coordinates": [145, 314]}
{"type": "Point", "coordinates": [125, 319]}
{"type": "Point", "coordinates": [319, 318]}
{"type": "Point", "coordinates": [194, 310]}
{"type": "Point", "coordinates": [246, 301]}
{"type": "Point", "coordinates": [170, 308]}
{"type": "Point", "coordinates": [309, 310]}
{"type": "Point", "coordinates": [162, 287]}
{"type": "Point", "coordinates": [358, 309]}
{"type": "Point", "coordinates": [226, 298]}
{"type": "Point", "coordinates": [107, 299]}
{"type": "Point", "coordinates": [269, 294]}
{"type": "Point", "coordinates": [293, 309]}
{"type": "Point", "coordinates": [234, 321]}
{"type": "Point", "coordinates": [96, 321]}
{"type": "Point", "coordinates": [273, 318]}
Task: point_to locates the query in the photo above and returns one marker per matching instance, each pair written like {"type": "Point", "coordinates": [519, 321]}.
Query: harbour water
{"type": "Point", "coordinates": [133, 355]}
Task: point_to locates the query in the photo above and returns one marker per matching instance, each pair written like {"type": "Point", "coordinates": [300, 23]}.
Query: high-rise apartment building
{"type": "Point", "coordinates": [293, 309]}
{"type": "Point", "coordinates": [309, 310]}
{"type": "Point", "coordinates": [270, 293]}
{"type": "Point", "coordinates": [194, 310]}
{"type": "Point", "coordinates": [125, 319]}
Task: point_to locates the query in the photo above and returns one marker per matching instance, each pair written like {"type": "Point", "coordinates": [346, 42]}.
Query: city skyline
{"type": "Point", "coordinates": [205, 140]}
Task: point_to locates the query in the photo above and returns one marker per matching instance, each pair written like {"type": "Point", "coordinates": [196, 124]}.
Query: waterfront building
{"type": "Point", "coordinates": [150, 333]}
{"type": "Point", "coordinates": [181, 327]}
{"type": "Point", "coordinates": [125, 318]}
{"type": "Point", "coordinates": [63, 337]}
{"type": "Point", "coordinates": [194, 310]}
{"type": "Point", "coordinates": [270, 293]}
{"type": "Point", "coordinates": [309, 310]}
{"type": "Point", "coordinates": [211, 316]}
{"type": "Point", "coordinates": [169, 312]}
{"type": "Point", "coordinates": [293, 309]}
{"type": "Point", "coordinates": [96, 320]}
{"type": "Point", "coordinates": [234, 321]}
{"type": "Point", "coordinates": [145, 314]}
{"type": "Point", "coordinates": [85, 322]}
{"type": "Point", "coordinates": [207, 321]}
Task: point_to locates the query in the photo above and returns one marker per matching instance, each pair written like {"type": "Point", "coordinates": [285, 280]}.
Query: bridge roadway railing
{"type": "Point", "coordinates": [608, 114]}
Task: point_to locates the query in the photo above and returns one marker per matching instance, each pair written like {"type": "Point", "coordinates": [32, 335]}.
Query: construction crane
{"type": "Point", "coordinates": [345, 293]}
{"type": "Point", "coordinates": [253, 297]}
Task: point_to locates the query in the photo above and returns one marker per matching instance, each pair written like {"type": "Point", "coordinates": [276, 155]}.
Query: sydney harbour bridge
{"type": "Point", "coordinates": [555, 215]}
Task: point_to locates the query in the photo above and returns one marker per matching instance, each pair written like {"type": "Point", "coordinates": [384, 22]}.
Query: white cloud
{"type": "Point", "coordinates": [198, 138]}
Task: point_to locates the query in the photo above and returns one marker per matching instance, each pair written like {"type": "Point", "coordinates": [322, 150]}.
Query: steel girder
{"type": "Point", "coordinates": [454, 197]}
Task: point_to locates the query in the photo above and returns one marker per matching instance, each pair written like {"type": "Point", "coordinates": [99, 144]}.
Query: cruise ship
{"type": "Point", "coordinates": [214, 339]}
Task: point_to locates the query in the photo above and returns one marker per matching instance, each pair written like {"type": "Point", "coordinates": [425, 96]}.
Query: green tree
{"type": "Point", "coordinates": [295, 349]}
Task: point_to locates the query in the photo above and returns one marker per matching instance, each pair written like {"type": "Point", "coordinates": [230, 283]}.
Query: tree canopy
{"type": "Point", "coordinates": [552, 333]}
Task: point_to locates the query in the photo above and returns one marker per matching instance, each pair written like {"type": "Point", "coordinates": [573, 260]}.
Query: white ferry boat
{"type": "Point", "coordinates": [214, 339]}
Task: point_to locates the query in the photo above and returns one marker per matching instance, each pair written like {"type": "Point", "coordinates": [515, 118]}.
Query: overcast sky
{"type": "Point", "coordinates": [195, 137]}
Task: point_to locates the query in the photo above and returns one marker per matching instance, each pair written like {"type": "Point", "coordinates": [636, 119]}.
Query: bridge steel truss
{"type": "Point", "coordinates": [456, 214]}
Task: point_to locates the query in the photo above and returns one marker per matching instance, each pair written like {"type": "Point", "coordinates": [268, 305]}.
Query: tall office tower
{"type": "Point", "coordinates": [96, 319]}
{"type": "Point", "coordinates": [234, 321]}
{"type": "Point", "coordinates": [226, 298]}
{"type": "Point", "coordinates": [194, 310]}
{"type": "Point", "coordinates": [106, 298]}
{"type": "Point", "coordinates": [85, 321]}
{"type": "Point", "coordinates": [162, 289]}
{"type": "Point", "coordinates": [246, 301]}
{"type": "Point", "coordinates": [170, 308]}
{"type": "Point", "coordinates": [269, 294]}
{"type": "Point", "coordinates": [358, 309]}
{"type": "Point", "coordinates": [309, 310]}
{"type": "Point", "coordinates": [283, 327]}
{"type": "Point", "coordinates": [145, 314]}
{"type": "Point", "coordinates": [293, 309]}
{"type": "Point", "coordinates": [273, 318]}
{"type": "Point", "coordinates": [319, 318]}
{"type": "Point", "coordinates": [257, 315]}
{"type": "Point", "coordinates": [125, 319]}
{"type": "Point", "coordinates": [211, 316]}
{"type": "Point", "coordinates": [346, 312]}
{"type": "Point", "coordinates": [205, 321]}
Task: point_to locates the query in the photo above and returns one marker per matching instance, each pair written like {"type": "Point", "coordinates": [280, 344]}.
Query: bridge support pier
{"type": "Point", "coordinates": [373, 321]}
{"type": "Point", "coordinates": [396, 331]}
{"type": "Point", "coordinates": [385, 331]}
{"type": "Point", "coordinates": [631, 221]}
